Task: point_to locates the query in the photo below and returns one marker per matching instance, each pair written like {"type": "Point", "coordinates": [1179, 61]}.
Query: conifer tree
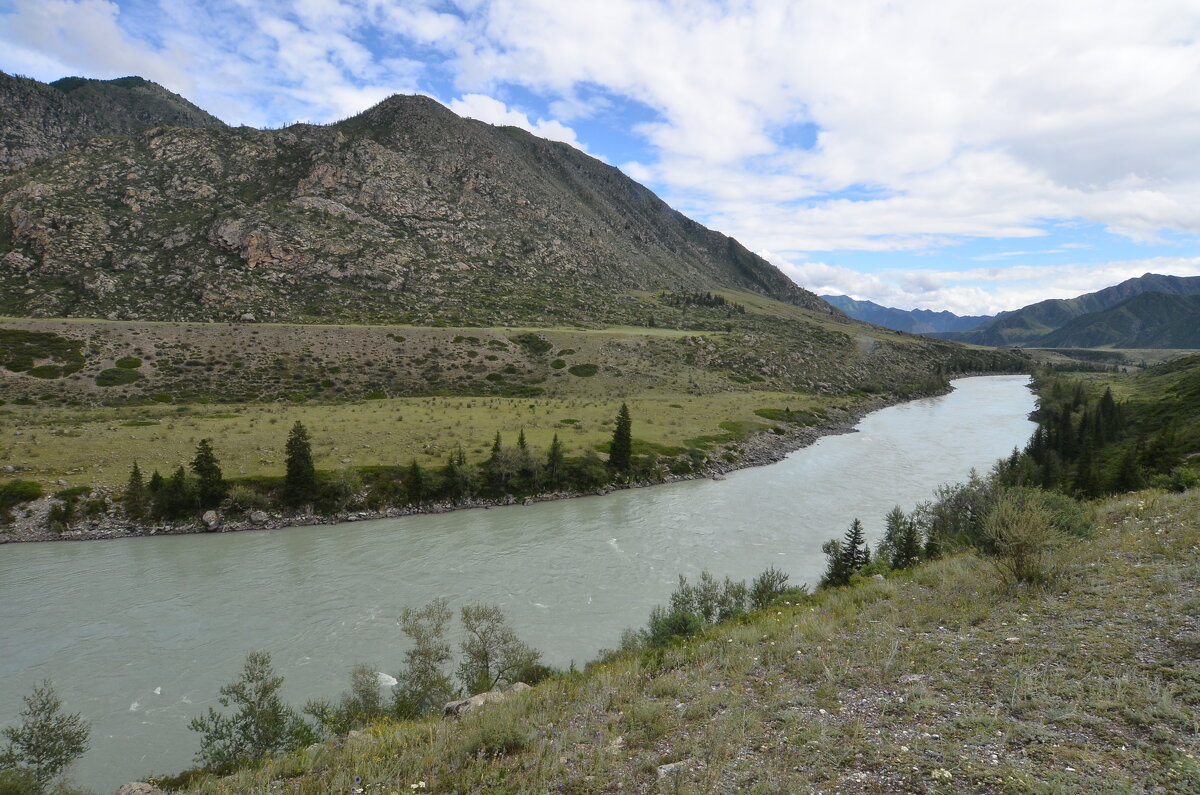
{"type": "Point", "coordinates": [136, 497]}
{"type": "Point", "coordinates": [211, 487]}
{"type": "Point", "coordinates": [620, 452]}
{"type": "Point", "coordinates": [836, 572]}
{"type": "Point", "coordinates": [300, 479]}
{"type": "Point", "coordinates": [854, 550]}
{"type": "Point", "coordinates": [156, 482]}
{"type": "Point", "coordinates": [555, 464]}
{"type": "Point", "coordinates": [414, 484]}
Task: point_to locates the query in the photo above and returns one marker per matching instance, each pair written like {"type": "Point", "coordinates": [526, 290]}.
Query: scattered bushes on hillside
{"type": "Point", "coordinates": [14, 493]}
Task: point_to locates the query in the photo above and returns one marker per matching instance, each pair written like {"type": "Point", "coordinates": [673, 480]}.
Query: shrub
{"type": "Point", "coordinates": [493, 655]}
{"type": "Point", "coordinates": [129, 363]}
{"type": "Point", "coordinates": [114, 376]}
{"type": "Point", "coordinates": [15, 492]}
{"type": "Point", "coordinates": [261, 726]}
{"type": "Point", "coordinates": [558, 364]}
{"type": "Point", "coordinates": [766, 586]}
{"type": "Point", "coordinates": [46, 371]}
{"type": "Point", "coordinates": [244, 499]}
{"type": "Point", "coordinates": [534, 343]}
{"type": "Point", "coordinates": [583, 370]}
{"type": "Point", "coordinates": [494, 732]}
{"type": "Point", "coordinates": [1021, 537]}
{"type": "Point", "coordinates": [45, 743]}
{"type": "Point", "coordinates": [423, 686]}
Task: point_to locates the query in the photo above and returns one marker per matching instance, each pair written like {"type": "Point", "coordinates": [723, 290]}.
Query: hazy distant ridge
{"type": "Point", "coordinates": [917, 321]}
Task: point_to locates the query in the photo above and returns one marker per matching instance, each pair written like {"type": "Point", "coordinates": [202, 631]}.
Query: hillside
{"type": "Point", "coordinates": [39, 120]}
{"type": "Point", "coordinates": [1029, 325]}
{"type": "Point", "coordinates": [941, 680]}
{"type": "Point", "coordinates": [1147, 320]}
{"type": "Point", "coordinates": [405, 213]}
{"type": "Point", "coordinates": [915, 321]}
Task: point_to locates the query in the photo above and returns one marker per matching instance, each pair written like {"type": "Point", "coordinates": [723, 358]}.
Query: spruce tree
{"type": "Point", "coordinates": [414, 484]}
{"type": "Point", "coordinates": [300, 480]}
{"type": "Point", "coordinates": [555, 464]}
{"type": "Point", "coordinates": [854, 552]}
{"type": "Point", "coordinates": [136, 497]}
{"type": "Point", "coordinates": [211, 487]}
{"type": "Point", "coordinates": [620, 452]}
{"type": "Point", "coordinates": [836, 572]}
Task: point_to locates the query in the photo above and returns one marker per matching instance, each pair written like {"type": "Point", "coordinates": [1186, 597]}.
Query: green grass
{"type": "Point", "coordinates": [941, 680]}
{"type": "Point", "coordinates": [104, 442]}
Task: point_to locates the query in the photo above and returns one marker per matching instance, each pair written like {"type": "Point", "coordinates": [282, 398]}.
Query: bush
{"type": "Point", "coordinates": [115, 376]}
{"type": "Point", "coordinates": [261, 726]}
{"type": "Point", "coordinates": [1021, 537]}
{"type": "Point", "coordinates": [45, 743]}
{"type": "Point", "coordinates": [15, 492]}
{"type": "Point", "coordinates": [534, 343]}
{"type": "Point", "coordinates": [129, 363]}
{"type": "Point", "coordinates": [494, 732]}
{"type": "Point", "coordinates": [766, 586]}
{"type": "Point", "coordinates": [583, 370]}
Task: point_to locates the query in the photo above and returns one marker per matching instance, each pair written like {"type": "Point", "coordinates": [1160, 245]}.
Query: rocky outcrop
{"type": "Point", "coordinates": [405, 213]}
{"type": "Point", "coordinates": [456, 709]}
{"type": "Point", "coordinates": [138, 788]}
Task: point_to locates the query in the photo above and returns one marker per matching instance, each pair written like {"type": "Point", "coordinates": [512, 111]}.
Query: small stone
{"type": "Point", "coordinates": [248, 317]}
{"type": "Point", "coordinates": [666, 770]}
{"type": "Point", "coordinates": [878, 577]}
{"type": "Point", "coordinates": [1012, 640]}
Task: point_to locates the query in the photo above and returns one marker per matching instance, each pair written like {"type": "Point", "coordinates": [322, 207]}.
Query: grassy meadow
{"type": "Point", "coordinates": [97, 446]}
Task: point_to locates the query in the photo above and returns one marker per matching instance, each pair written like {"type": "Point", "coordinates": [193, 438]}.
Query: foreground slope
{"type": "Point", "coordinates": [944, 681]}
{"type": "Point", "coordinates": [405, 213]}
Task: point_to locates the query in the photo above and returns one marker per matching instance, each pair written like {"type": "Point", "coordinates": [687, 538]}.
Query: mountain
{"type": "Point", "coordinates": [916, 321]}
{"type": "Point", "coordinates": [1148, 320]}
{"type": "Point", "coordinates": [1026, 326]}
{"type": "Point", "coordinates": [39, 120]}
{"type": "Point", "coordinates": [405, 213]}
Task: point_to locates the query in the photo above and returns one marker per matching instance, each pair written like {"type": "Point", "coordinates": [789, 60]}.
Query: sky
{"type": "Point", "coordinates": [969, 155]}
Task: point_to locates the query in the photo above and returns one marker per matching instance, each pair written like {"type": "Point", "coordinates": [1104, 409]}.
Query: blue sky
{"type": "Point", "coordinates": [964, 156]}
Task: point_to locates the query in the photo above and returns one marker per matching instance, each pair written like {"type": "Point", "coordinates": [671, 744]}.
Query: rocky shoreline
{"type": "Point", "coordinates": [760, 449]}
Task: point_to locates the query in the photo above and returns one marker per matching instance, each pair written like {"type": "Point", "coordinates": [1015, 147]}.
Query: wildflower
{"type": "Point", "coordinates": [941, 774]}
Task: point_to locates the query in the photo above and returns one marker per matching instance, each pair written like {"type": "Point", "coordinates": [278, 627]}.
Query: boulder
{"type": "Point", "coordinates": [456, 708]}
{"type": "Point", "coordinates": [211, 519]}
{"type": "Point", "coordinates": [248, 318]}
{"type": "Point", "coordinates": [259, 517]}
{"type": "Point", "coordinates": [138, 788]}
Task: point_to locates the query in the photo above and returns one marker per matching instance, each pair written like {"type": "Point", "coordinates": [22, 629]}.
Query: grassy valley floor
{"type": "Point", "coordinates": [945, 680]}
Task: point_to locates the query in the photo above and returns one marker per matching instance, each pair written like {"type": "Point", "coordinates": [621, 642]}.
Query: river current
{"type": "Point", "coordinates": [139, 634]}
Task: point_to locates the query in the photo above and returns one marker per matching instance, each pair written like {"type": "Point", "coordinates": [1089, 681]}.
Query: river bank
{"type": "Point", "coordinates": [767, 447]}
{"type": "Point", "coordinates": [760, 449]}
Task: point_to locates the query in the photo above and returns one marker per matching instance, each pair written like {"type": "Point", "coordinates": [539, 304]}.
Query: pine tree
{"type": "Point", "coordinates": [300, 480]}
{"type": "Point", "coordinates": [156, 483]}
{"type": "Point", "coordinates": [211, 487]}
{"type": "Point", "coordinates": [136, 497]}
{"type": "Point", "coordinates": [176, 498]}
{"type": "Point", "coordinates": [620, 452]}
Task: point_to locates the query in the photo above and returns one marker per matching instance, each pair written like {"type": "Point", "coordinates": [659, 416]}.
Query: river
{"type": "Point", "coordinates": [138, 634]}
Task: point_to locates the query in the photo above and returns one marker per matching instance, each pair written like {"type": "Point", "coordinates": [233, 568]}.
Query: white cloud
{"type": "Point", "coordinates": [493, 111]}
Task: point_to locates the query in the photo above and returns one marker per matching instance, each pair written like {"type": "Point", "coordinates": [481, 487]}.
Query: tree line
{"type": "Point", "coordinates": [510, 470]}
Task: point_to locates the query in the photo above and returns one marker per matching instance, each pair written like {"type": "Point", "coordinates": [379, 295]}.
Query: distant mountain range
{"type": "Point", "coordinates": [916, 321]}
{"type": "Point", "coordinates": [1137, 313]}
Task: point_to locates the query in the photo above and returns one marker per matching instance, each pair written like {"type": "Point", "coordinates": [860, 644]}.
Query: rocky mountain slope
{"type": "Point", "coordinates": [1026, 326]}
{"type": "Point", "coordinates": [405, 213]}
{"type": "Point", "coordinates": [39, 120]}
{"type": "Point", "coordinates": [915, 321]}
